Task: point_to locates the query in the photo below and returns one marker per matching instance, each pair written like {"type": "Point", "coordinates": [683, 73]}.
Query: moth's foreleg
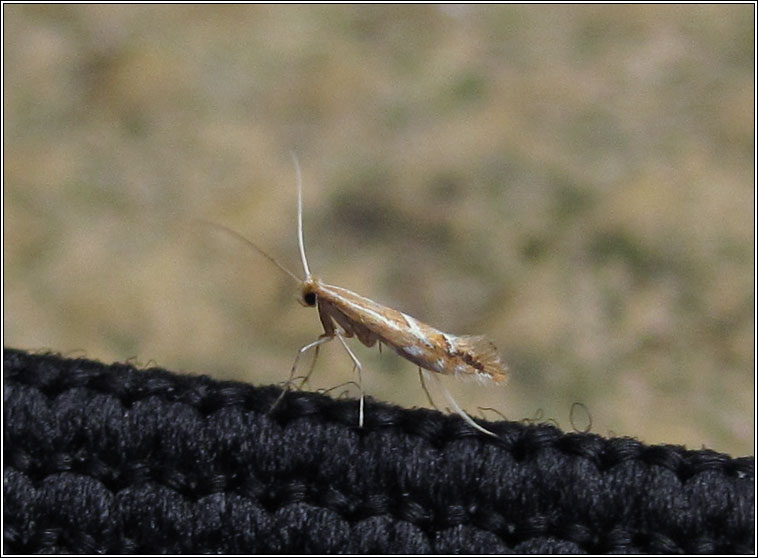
{"type": "Point", "coordinates": [310, 368]}
{"type": "Point", "coordinates": [357, 366]}
{"type": "Point", "coordinates": [316, 344]}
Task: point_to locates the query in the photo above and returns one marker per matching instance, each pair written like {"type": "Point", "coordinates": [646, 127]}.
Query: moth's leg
{"type": "Point", "coordinates": [316, 344]}
{"type": "Point", "coordinates": [325, 312]}
{"type": "Point", "coordinates": [421, 374]}
{"type": "Point", "coordinates": [311, 367]}
{"type": "Point", "coordinates": [458, 409]}
{"type": "Point", "coordinates": [359, 368]}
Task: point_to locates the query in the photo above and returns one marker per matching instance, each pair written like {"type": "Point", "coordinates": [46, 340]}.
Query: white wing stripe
{"type": "Point", "coordinates": [416, 330]}
{"type": "Point", "coordinates": [378, 317]}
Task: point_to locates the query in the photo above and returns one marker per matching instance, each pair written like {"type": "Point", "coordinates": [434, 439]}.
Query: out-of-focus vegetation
{"type": "Point", "coordinates": [576, 182]}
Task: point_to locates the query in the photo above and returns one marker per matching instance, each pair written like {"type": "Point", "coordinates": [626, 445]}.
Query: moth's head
{"type": "Point", "coordinates": [307, 295]}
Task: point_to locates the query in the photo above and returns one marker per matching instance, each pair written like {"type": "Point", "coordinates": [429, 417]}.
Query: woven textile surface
{"type": "Point", "coordinates": [111, 458]}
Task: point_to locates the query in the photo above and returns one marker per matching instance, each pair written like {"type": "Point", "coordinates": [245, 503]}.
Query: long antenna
{"type": "Point", "coordinates": [252, 245]}
{"type": "Point", "coordinates": [300, 216]}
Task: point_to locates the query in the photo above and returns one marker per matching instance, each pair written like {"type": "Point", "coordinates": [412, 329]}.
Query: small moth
{"type": "Point", "coordinates": [344, 313]}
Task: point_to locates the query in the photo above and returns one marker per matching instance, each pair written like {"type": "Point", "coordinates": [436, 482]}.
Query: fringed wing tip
{"type": "Point", "coordinates": [484, 352]}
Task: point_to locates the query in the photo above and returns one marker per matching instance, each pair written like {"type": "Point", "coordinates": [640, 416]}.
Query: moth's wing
{"type": "Point", "coordinates": [483, 351]}
{"type": "Point", "coordinates": [350, 327]}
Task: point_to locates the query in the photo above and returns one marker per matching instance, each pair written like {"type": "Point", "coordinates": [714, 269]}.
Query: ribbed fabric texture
{"type": "Point", "coordinates": [120, 460]}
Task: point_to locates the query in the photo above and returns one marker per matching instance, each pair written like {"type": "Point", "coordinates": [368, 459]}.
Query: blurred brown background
{"type": "Point", "coordinates": [575, 182]}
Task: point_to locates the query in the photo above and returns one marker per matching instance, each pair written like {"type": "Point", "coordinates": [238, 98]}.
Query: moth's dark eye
{"type": "Point", "coordinates": [310, 299]}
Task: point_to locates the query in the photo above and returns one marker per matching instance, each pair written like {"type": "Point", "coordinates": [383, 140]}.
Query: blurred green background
{"type": "Point", "coordinates": [575, 182]}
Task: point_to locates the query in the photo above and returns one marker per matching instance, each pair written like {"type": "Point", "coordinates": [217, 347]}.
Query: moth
{"type": "Point", "coordinates": [344, 314]}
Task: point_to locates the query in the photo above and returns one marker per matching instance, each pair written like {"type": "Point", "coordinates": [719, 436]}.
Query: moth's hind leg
{"type": "Point", "coordinates": [315, 345]}
{"type": "Point", "coordinates": [358, 367]}
{"type": "Point", "coordinates": [426, 390]}
{"type": "Point", "coordinates": [457, 407]}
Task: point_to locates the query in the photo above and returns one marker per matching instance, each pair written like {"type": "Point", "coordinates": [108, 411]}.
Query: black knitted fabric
{"type": "Point", "coordinates": [116, 459]}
